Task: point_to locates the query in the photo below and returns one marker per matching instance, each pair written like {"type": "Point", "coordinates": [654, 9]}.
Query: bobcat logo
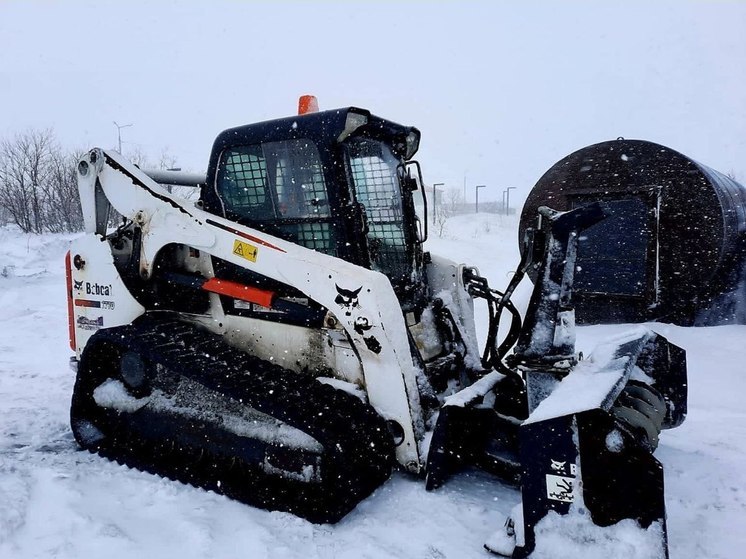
{"type": "Point", "coordinates": [362, 325]}
{"type": "Point", "coordinates": [347, 299]}
{"type": "Point", "coordinates": [78, 285]}
{"type": "Point", "coordinates": [558, 466]}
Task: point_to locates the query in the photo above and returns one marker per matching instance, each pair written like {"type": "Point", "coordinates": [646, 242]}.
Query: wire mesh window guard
{"type": "Point", "coordinates": [278, 181]}
{"type": "Point", "coordinates": [373, 168]}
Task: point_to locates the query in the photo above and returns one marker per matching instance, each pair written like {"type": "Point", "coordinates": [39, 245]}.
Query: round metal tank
{"type": "Point", "coordinates": [674, 245]}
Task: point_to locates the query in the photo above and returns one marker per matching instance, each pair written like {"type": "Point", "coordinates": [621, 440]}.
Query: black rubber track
{"type": "Point", "coordinates": [358, 450]}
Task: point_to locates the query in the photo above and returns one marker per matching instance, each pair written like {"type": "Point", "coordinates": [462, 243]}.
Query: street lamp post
{"type": "Point", "coordinates": [476, 190]}
{"type": "Point", "coordinates": [507, 199]}
{"type": "Point", "coordinates": [435, 198]}
{"type": "Point", "coordinates": [119, 133]}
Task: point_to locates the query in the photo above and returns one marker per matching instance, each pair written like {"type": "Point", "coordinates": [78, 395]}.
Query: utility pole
{"type": "Point", "coordinates": [507, 199]}
{"type": "Point", "coordinates": [119, 133]}
{"type": "Point", "coordinates": [476, 191]}
{"type": "Point", "coordinates": [435, 199]}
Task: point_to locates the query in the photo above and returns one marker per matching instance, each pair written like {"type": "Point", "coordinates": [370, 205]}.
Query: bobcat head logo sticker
{"type": "Point", "coordinates": [78, 285]}
{"type": "Point", "coordinates": [347, 299]}
{"type": "Point", "coordinates": [362, 325]}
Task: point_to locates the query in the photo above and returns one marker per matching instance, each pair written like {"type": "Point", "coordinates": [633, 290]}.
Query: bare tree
{"type": "Point", "coordinates": [449, 207]}
{"type": "Point", "coordinates": [441, 219]}
{"type": "Point", "coordinates": [453, 200]}
{"type": "Point", "coordinates": [24, 168]}
{"type": "Point", "coordinates": [167, 161]}
{"type": "Point", "coordinates": [61, 198]}
{"type": "Point", "coordinates": [139, 158]}
{"type": "Point", "coordinates": [38, 190]}
{"type": "Point", "coordinates": [38, 183]}
{"type": "Point", "coordinates": [14, 187]}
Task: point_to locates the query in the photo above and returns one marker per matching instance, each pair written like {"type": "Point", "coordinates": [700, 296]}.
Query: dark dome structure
{"type": "Point", "coordinates": [673, 246]}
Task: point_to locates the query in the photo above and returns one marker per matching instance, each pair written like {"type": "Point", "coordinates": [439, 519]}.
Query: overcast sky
{"type": "Point", "coordinates": [500, 90]}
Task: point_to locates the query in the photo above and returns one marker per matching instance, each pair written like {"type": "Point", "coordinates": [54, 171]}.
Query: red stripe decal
{"type": "Point", "coordinates": [258, 241]}
{"type": "Point", "coordinates": [87, 303]}
{"type": "Point", "coordinates": [240, 291]}
{"type": "Point", "coordinates": [245, 235]}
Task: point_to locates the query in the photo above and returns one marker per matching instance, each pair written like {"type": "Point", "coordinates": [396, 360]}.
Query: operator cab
{"type": "Point", "coordinates": [340, 182]}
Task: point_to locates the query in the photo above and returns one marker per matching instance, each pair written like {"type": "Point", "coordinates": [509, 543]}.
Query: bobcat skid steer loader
{"type": "Point", "coordinates": [287, 341]}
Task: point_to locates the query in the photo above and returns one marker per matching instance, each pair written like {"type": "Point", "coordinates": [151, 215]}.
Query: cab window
{"type": "Point", "coordinates": [279, 187]}
{"type": "Point", "coordinates": [274, 180]}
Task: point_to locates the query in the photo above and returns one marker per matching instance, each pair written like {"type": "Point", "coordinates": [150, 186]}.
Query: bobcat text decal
{"type": "Point", "coordinates": [93, 288]}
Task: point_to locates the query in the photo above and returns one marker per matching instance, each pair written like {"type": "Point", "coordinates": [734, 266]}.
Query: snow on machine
{"type": "Point", "coordinates": [287, 341]}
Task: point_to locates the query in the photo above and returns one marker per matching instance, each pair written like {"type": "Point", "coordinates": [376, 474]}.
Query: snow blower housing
{"type": "Point", "coordinates": [287, 340]}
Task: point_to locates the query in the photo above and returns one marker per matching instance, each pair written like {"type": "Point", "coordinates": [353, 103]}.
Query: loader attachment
{"type": "Point", "coordinates": [576, 433]}
{"type": "Point", "coordinates": [593, 424]}
{"type": "Point", "coordinates": [585, 449]}
{"type": "Point", "coordinates": [588, 445]}
{"type": "Point", "coordinates": [469, 431]}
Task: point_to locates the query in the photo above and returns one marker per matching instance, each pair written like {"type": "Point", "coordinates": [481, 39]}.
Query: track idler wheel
{"type": "Point", "coordinates": [134, 374]}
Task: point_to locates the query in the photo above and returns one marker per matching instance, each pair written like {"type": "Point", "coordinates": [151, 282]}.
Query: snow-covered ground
{"type": "Point", "coordinates": [56, 501]}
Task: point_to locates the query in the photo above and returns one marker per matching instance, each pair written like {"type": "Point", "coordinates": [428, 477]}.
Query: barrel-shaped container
{"type": "Point", "coordinates": [673, 246]}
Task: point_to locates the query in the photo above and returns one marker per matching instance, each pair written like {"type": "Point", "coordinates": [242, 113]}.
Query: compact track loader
{"type": "Point", "coordinates": [286, 340]}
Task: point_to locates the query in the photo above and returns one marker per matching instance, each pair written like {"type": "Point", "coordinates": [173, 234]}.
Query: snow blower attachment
{"type": "Point", "coordinates": [591, 425]}
{"type": "Point", "coordinates": [287, 341]}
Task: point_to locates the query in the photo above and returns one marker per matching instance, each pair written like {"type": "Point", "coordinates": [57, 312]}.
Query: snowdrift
{"type": "Point", "coordinates": [57, 501]}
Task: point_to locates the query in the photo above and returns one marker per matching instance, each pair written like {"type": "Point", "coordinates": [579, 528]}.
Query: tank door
{"type": "Point", "coordinates": [618, 258]}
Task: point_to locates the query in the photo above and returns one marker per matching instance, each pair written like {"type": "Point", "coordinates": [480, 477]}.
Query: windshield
{"type": "Point", "coordinates": [373, 167]}
{"type": "Point", "coordinates": [273, 180]}
{"type": "Point", "coordinates": [280, 185]}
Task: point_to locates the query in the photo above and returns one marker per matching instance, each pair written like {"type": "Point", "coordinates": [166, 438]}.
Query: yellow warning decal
{"type": "Point", "coordinates": [245, 250]}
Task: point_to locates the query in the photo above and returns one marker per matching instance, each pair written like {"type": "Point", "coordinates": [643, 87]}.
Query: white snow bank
{"type": "Point", "coordinates": [25, 254]}
{"type": "Point", "coordinates": [574, 536]}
